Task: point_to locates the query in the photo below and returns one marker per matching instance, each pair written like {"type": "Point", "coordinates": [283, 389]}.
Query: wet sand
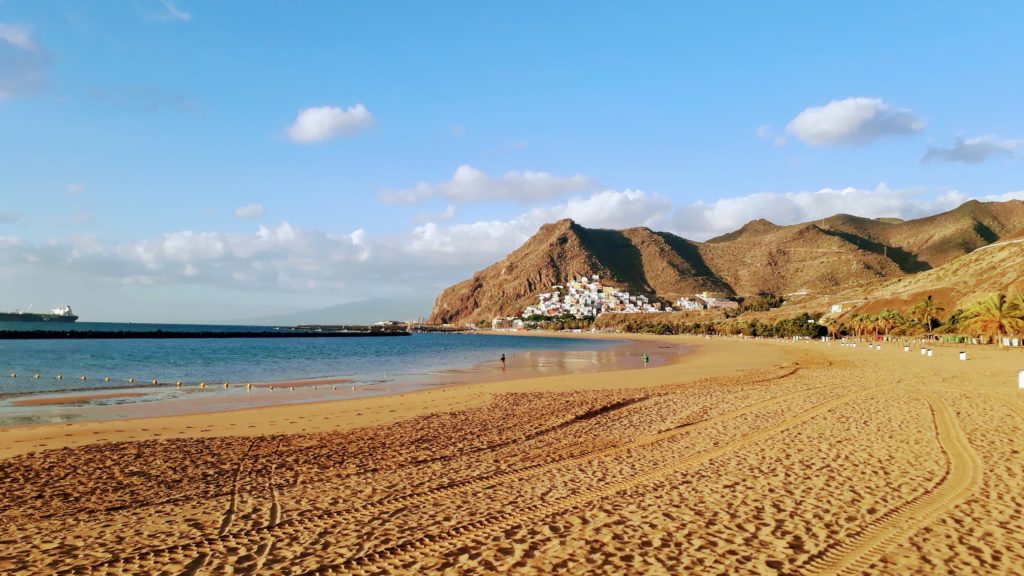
{"type": "Point", "coordinates": [72, 399]}
{"type": "Point", "coordinates": [741, 458]}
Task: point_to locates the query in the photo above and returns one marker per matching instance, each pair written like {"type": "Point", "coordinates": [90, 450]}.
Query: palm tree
{"type": "Point", "coordinates": [995, 316]}
{"type": "Point", "coordinates": [854, 325]}
{"type": "Point", "coordinates": [832, 326]}
{"type": "Point", "coordinates": [887, 320]}
{"type": "Point", "coordinates": [1018, 302]}
{"type": "Point", "coordinates": [927, 311]}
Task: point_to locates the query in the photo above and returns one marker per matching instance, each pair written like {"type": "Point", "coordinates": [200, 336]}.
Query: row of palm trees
{"type": "Point", "coordinates": [994, 316]}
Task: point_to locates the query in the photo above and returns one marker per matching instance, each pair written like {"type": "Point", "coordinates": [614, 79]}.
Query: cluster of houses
{"type": "Point", "coordinates": [589, 297]}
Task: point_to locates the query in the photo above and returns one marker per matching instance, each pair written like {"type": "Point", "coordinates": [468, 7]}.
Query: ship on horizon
{"type": "Point", "coordinates": [61, 314]}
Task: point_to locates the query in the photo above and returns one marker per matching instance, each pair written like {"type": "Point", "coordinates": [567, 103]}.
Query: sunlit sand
{"type": "Point", "coordinates": [743, 457]}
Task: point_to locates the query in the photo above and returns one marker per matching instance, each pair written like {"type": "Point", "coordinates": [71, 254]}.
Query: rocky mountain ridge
{"type": "Point", "coordinates": [828, 256]}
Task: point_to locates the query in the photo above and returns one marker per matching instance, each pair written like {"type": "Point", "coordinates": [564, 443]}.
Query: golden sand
{"type": "Point", "coordinates": [741, 458]}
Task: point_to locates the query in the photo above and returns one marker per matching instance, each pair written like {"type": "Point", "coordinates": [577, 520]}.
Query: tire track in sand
{"type": "Point", "coordinates": [229, 514]}
{"type": "Point", "coordinates": [398, 557]}
{"type": "Point", "coordinates": [962, 475]}
{"type": "Point", "coordinates": [273, 517]}
{"type": "Point", "coordinates": [302, 521]}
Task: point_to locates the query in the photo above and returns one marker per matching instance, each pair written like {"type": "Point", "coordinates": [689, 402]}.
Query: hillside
{"type": "Point", "coordinates": [994, 268]}
{"type": "Point", "coordinates": [827, 259]}
{"type": "Point", "coordinates": [636, 259]}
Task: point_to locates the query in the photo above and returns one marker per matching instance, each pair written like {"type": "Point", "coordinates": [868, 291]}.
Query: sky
{"type": "Point", "coordinates": [187, 161]}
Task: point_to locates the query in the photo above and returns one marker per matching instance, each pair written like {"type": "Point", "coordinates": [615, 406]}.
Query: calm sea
{"type": "Point", "coordinates": [363, 360]}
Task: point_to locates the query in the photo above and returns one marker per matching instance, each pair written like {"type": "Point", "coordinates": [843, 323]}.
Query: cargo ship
{"type": "Point", "coordinates": [62, 314]}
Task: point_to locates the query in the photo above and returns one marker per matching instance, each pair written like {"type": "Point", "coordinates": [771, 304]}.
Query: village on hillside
{"type": "Point", "coordinates": [589, 297]}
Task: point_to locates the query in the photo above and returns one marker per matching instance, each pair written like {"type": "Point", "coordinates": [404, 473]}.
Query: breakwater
{"type": "Point", "coordinates": [169, 334]}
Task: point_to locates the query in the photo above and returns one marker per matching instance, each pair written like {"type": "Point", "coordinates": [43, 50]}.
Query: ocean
{"type": "Point", "coordinates": [194, 360]}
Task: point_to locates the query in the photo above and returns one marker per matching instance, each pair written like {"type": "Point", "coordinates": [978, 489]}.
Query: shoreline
{"type": "Point", "coordinates": [165, 399]}
{"type": "Point", "coordinates": [372, 406]}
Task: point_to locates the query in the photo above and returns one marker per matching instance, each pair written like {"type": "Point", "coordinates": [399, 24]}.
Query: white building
{"type": "Point", "coordinates": [589, 297]}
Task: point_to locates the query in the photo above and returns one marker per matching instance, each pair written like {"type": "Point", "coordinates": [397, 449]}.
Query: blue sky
{"type": "Point", "coordinates": [209, 161]}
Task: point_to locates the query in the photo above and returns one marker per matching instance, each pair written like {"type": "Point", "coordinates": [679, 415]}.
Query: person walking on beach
{"type": "Point", "coordinates": [502, 361]}
{"type": "Point", "coordinates": [646, 359]}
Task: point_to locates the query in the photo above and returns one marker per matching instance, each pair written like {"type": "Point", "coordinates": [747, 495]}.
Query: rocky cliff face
{"type": "Point", "coordinates": [821, 257]}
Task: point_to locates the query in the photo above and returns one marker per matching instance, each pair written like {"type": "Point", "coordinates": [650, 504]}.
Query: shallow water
{"type": "Point", "coordinates": [193, 360]}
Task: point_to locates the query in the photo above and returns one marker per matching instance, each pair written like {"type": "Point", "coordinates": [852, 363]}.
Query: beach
{"type": "Point", "coordinates": [740, 457]}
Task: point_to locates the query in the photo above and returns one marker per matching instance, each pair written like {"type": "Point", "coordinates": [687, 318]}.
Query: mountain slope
{"type": "Point", "coordinates": [993, 268]}
{"type": "Point", "coordinates": [829, 257]}
{"type": "Point", "coordinates": [932, 241]}
{"type": "Point", "coordinates": [636, 259]}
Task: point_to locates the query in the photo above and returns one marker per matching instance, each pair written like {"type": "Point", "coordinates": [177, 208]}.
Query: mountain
{"type": "Point", "coordinates": [822, 258]}
{"type": "Point", "coordinates": [637, 259]}
{"type": "Point", "coordinates": [932, 241]}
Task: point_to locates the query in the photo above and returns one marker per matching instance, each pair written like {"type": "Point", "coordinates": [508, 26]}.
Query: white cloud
{"type": "Point", "coordinates": [74, 189]}
{"type": "Point", "coordinates": [22, 64]}
{"type": "Point", "coordinates": [327, 122]}
{"type": "Point", "coordinates": [249, 211]}
{"type": "Point", "coordinates": [489, 240]}
{"type": "Point", "coordinates": [469, 184]}
{"type": "Point", "coordinates": [852, 121]}
{"type": "Point", "coordinates": [974, 150]}
{"type": "Point", "coordinates": [171, 13]}
{"type": "Point", "coordinates": [1018, 195]}
{"type": "Point", "coordinates": [702, 220]}
{"type": "Point", "coordinates": [609, 209]}
{"type": "Point", "coordinates": [17, 36]}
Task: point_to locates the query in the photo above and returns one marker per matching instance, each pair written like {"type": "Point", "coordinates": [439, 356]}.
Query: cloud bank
{"type": "Point", "coordinates": [469, 184]}
{"type": "Point", "coordinates": [354, 264]}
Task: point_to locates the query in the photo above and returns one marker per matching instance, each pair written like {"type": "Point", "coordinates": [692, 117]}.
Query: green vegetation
{"type": "Point", "coordinates": [805, 325]}
{"type": "Point", "coordinates": [992, 317]}
{"type": "Point", "coordinates": [927, 311]}
{"type": "Point", "coordinates": [995, 316]}
{"type": "Point", "coordinates": [763, 302]}
{"type": "Point", "coordinates": [561, 322]}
